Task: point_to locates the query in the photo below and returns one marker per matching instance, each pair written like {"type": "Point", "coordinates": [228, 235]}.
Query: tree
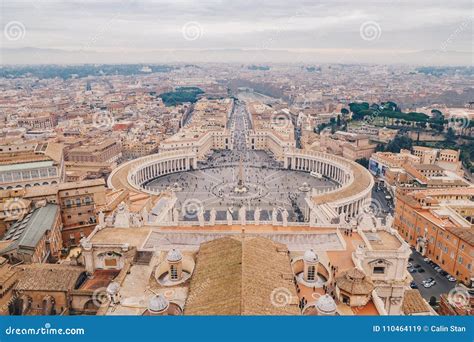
{"type": "Point", "coordinates": [364, 162]}
{"type": "Point", "coordinates": [344, 111]}
{"type": "Point", "coordinates": [400, 142]}
{"type": "Point", "coordinates": [450, 135]}
{"type": "Point", "coordinates": [338, 121]}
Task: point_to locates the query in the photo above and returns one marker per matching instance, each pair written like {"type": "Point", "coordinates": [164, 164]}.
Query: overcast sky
{"type": "Point", "coordinates": [131, 26]}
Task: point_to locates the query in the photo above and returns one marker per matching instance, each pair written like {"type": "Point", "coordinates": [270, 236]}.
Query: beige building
{"type": "Point", "coordinates": [44, 289]}
{"type": "Point", "coordinates": [36, 238]}
{"type": "Point", "coordinates": [28, 165]}
{"type": "Point", "coordinates": [79, 202]}
{"type": "Point", "coordinates": [349, 145]}
{"type": "Point", "coordinates": [103, 150]}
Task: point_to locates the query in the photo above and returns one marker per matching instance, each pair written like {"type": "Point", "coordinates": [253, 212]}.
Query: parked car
{"type": "Point", "coordinates": [430, 284]}
{"type": "Point", "coordinates": [438, 269]}
{"type": "Point", "coordinates": [410, 259]}
{"type": "Point", "coordinates": [444, 273]}
{"type": "Point", "coordinates": [417, 266]}
{"type": "Point", "coordinates": [428, 280]}
{"type": "Point", "coordinates": [413, 285]}
{"type": "Point", "coordinates": [411, 270]}
{"type": "Point", "coordinates": [409, 265]}
{"type": "Point", "coordinates": [421, 270]}
{"type": "Point", "coordinates": [451, 278]}
{"type": "Point", "coordinates": [428, 260]}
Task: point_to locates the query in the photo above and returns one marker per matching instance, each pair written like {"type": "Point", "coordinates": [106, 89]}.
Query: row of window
{"type": "Point", "coordinates": [78, 202]}
{"type": "Point", "coordinates": [11, 176]}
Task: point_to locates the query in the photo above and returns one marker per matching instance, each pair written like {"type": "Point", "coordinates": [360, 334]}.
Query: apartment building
{"type": "Point", "coordinates": [32, 164]}
{"type": "Point", "coordinates": [96, 150]}
{"type": "Point", "coordinates": [79, 203]}
{"type": "Point", "coordinates": [349, 145]}
{"type": "Point", "coordinates": [439, 224]}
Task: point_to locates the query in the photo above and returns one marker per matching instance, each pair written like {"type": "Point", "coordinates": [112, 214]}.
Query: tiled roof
{"type": "Point", "coordinates": [414, 303]}
{"type": "Point", "coordinates": [48, 277]}
{"type": "Point", "coordinates": [239, 276]}
{"type": "Point", "coordinates": [354, 282]}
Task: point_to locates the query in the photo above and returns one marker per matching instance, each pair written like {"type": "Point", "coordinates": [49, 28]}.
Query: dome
{"type": "Point", "coordinates": [174, 255]}
{"type": "Point", "coordinates": [326, 305]}
{"type": "Point", "coordinates": [354, 282]}
{"type": "Point", "coordinates": [310, 256]}
{"type": "Point", "coordinates": [113, 288]}
{"type": "Point", "coordinates": [158, 303]}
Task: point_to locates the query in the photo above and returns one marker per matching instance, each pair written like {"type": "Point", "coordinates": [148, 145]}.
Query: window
{"type": "Point", "coordinates": [173, 272]}
{"type": "Point", "coordinates": [311, 272]}
{"type": "Point", "coordinates": [379, 270]}
{"type": "Point", "coordinates": [110, 262]}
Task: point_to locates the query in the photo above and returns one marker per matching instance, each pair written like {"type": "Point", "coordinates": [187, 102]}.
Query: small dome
{"type": "Point", "coordinates": [113, 288]}
{"type": "Point", "coordinates": [158, 303]}
{"type": "Point", "coordinates": [326, 305]}
{"type": "Point", "coordinates": [310, 256]}
{"type": "Point", "coordinates": [174, 255]}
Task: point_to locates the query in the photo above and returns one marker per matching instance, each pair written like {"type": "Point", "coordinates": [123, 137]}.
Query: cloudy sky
{"type": "Point", "coordinates": [126, 29]}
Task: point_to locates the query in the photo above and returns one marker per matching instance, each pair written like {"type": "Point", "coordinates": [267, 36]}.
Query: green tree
{"type": "Point", "coordinates": [450, 135]}
{"type": "Point", "coordinates": [400, 142]}
{"type": "Point", "coordinates": [364, 162]}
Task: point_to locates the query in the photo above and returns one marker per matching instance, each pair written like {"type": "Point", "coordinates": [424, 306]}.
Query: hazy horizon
{"type": "Point", "coordinates": [134, 31]}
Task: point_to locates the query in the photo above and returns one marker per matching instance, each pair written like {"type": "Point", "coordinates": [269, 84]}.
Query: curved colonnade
{"type": "Point", "coordinates": [354, 180]}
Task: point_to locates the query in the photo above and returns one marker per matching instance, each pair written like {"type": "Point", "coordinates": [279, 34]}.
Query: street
{"type": "Point", "coordinates": [443, 285]}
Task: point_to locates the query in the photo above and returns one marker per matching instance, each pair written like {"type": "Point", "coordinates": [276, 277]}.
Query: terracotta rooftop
{"type": "Point", "coordinates": [354, 282]}
{"type": "Point", "coordinates": [239, 276]}
{"type": "Point", "coordinates": [48, 277]}
{"type": "Point", "coordinates": [413, 303]}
